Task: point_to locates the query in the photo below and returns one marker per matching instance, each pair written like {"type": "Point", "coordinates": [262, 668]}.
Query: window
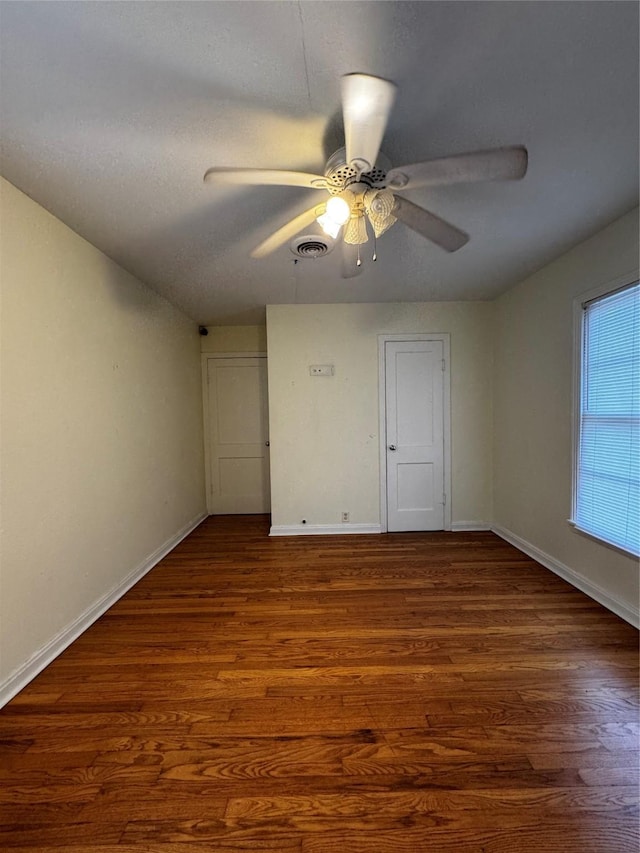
{"type": "Point", "coordinates": [607, 470]}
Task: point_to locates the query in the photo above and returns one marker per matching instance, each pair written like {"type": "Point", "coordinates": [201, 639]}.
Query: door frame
{"type": "Point", "coordinates": [445, 338]}
{"type": "Point", "coordinates": [205, 356]}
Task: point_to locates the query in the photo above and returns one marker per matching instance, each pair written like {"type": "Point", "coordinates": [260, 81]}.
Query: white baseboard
{"type": "Point", "coordinates": [341, 529]}
{"type": "Point", "coordinates": [43, 657]}
{"type": "Point", "coordinates": [611, 602]}
{"type": "Point", "coordinates": [322, 529]}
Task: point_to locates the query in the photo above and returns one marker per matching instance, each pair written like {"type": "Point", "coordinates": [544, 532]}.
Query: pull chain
{"type": "Point", "coordinates": [358, 262]}
{"type": "Point", "coordinates": [375, 248]}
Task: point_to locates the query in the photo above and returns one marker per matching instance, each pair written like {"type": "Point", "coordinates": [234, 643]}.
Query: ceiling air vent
{"type": "Point", "coordinates": [311, 246]}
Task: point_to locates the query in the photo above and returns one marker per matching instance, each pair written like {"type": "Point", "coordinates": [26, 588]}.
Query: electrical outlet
{"type": "Point", "coordinates": [345, 516]}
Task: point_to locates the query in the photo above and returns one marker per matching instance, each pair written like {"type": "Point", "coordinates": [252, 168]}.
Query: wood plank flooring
{"type": "Point", "coordinates": [408, 693]}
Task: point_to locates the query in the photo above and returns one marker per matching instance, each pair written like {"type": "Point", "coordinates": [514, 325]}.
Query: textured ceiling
{"type": "Point", "coordinates": [111, 112]}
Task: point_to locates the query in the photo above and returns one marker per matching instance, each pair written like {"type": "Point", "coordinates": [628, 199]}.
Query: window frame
{"type": "Point", "coordinates": [579, 304]}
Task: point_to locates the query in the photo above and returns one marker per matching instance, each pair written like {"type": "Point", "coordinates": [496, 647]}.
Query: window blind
{"type": "Point", "coordinates": [608, 481]}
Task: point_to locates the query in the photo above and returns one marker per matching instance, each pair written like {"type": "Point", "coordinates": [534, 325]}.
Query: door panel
{"type": "Point", "coordinates": [415, 435]}
{"type": "Point", "coordinates": [414, 399]}
{"type": "Point", "coordinates": [238, 435]}
{"type": "Point", "coordinates": [415, 486]}
{"type": "Point", "coordinates": [239, 403]}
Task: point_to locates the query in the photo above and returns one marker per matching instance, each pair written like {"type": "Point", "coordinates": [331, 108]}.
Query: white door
{"type": "Point", "coordinates": [414, 387]}
{"type": "Point", "coordinates": [238, 446]}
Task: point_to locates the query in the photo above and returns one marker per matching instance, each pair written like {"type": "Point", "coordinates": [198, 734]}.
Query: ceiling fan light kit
{"type": "Point", "coordinates": [363, 186]}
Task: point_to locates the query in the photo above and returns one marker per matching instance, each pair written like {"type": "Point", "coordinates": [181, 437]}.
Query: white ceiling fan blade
{"type": "Point", "coordinates": [429, 225]}
{"type": "Point", "coordinates": [499, 164]}
{"type": "Point", "coordinates": [225, 175]}
{"type": "Point", "coordinates": [350, 266]}
{"type": "Point", "coordinates": [366, 105]}
{"type": "Point", "coordinates": [288, 231]}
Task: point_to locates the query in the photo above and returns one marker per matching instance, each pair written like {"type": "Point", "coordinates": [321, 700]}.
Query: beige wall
{"type": "Point", "coordinates": [235, 339]}
{"type": "Point", "coordinates": [101, 449]}
{"type": "Point", "coordinates": [324, 431]}
{"type": "Point", "coordinates": [533, 407]}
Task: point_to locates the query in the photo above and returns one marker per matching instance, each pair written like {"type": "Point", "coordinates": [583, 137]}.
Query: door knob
{"type": "Point", "coordinates": [267, 443]}
{"type": "Point", "coordinates": [392, 447]}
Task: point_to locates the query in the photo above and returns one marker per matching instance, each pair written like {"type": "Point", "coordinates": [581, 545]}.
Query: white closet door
{"type": "Point", "coordinates": [238, 435]}
{"type": "Point", "coordinates": [414, 378]}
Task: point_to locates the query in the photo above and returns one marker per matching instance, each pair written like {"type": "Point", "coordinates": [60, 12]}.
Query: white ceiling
{"type": "Point", "coordinates": [111, 112]}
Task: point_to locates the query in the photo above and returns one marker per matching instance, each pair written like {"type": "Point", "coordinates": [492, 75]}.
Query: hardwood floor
{"type": "Point", "coordinates": [405, 693]}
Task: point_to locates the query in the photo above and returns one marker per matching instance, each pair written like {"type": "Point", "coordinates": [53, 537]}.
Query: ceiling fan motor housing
{"type": "Point", "coordinates": [341, 175]}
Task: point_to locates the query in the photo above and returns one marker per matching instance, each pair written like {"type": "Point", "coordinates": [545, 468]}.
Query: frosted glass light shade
{"type": "Point", "coordinates": [356, 231]}
{"type": "Point", "coordinates": [338, 209]}
{"type": "Point", "coordinates": [329, 225]}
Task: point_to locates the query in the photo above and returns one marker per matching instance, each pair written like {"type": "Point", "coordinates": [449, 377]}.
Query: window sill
{"type": "Point", "coordinates": [595, 538]}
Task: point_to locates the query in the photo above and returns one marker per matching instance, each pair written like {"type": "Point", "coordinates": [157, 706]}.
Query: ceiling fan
{"type": "Point", "coordinates": [364, 188]}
